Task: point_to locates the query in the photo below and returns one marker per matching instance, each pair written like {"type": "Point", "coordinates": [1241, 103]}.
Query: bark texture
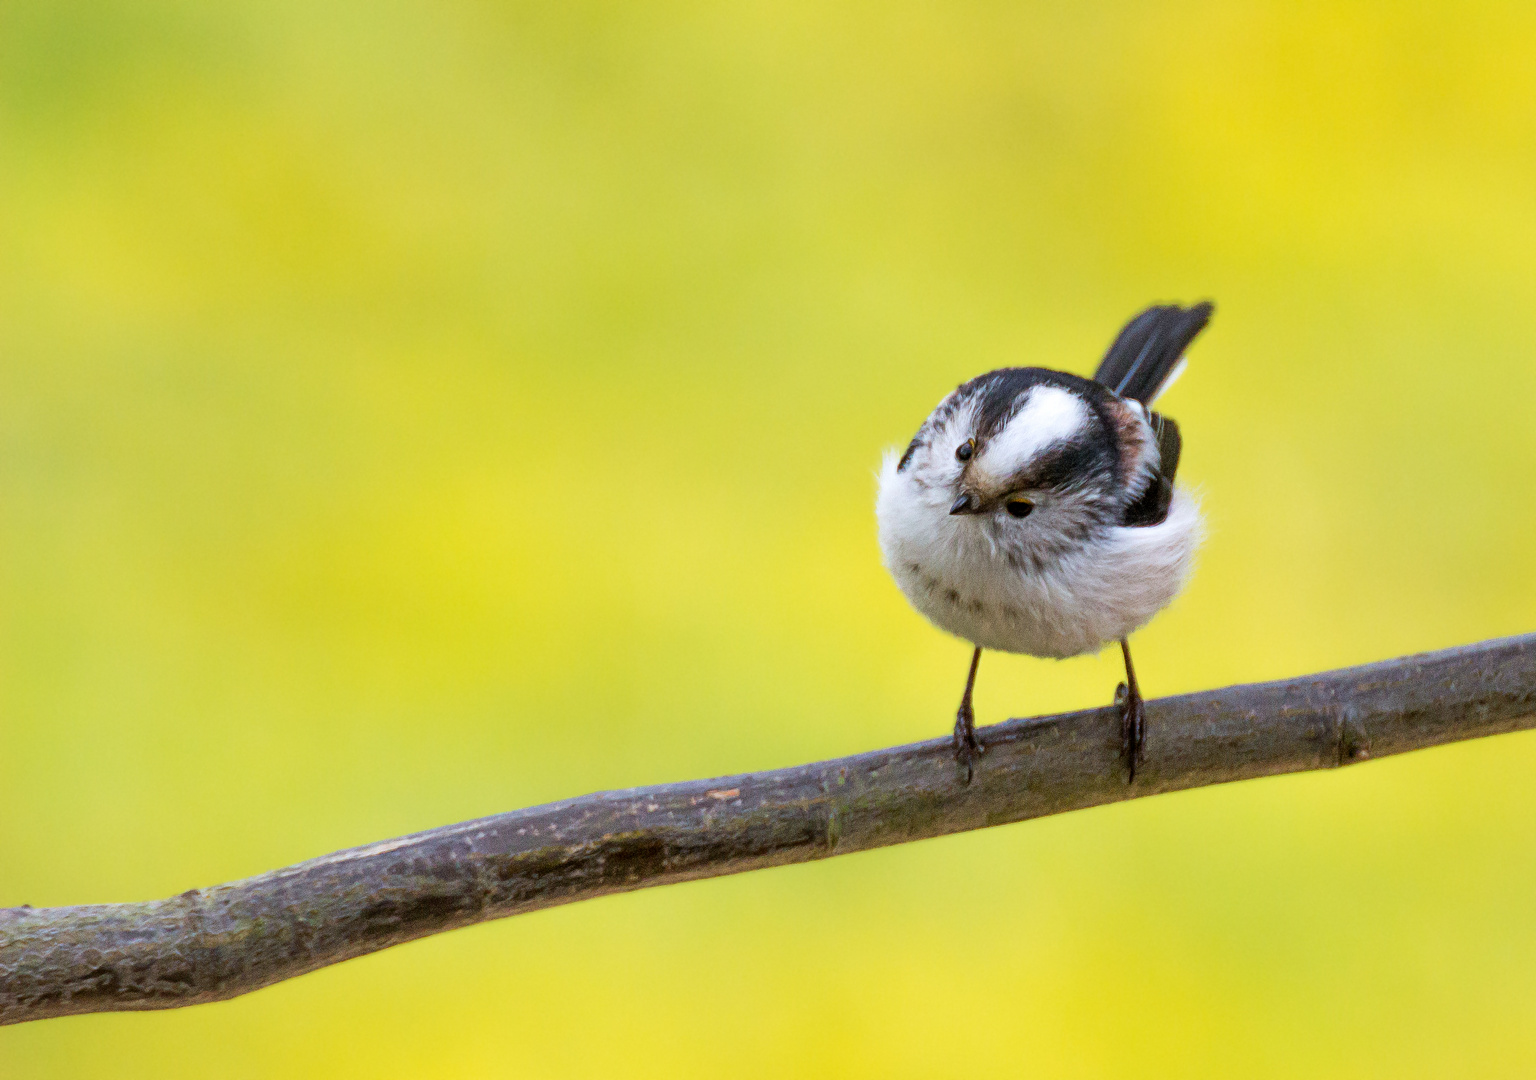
{"type": "Point", "coordinates": [216, 943]}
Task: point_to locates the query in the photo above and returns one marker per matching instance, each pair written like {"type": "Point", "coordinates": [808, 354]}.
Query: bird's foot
{"type": "Point", "coordinates": [1133, 728]}
{"type": "Point", "coordinates": [968, 748]}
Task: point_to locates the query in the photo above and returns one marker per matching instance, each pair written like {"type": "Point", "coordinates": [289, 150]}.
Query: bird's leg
{"type": "Point", "coordinates": [1133, 716]}
{"type": "Point", "coordinates": [967, 748]}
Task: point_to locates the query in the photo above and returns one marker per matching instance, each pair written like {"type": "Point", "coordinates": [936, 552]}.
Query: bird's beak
{"type": "Point", "coordinates": [965, 504]}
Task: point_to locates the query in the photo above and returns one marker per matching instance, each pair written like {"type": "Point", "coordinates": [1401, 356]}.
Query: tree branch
{"type": "Point", "coordinates": [217, 943]}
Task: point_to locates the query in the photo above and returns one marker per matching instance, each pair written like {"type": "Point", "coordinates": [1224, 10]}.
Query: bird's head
{"type": "Point", "coordinates": [1023, 454]}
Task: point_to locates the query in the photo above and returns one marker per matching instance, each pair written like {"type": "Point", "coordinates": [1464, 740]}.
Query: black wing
{"type": "Point", "coordinates": [1139, 362]}
{"type": "Point", "coordinates": [1152, 507]}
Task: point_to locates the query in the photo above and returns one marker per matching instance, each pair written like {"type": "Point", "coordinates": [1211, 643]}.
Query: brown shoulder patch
{"type": "Point", "coordinates": [1130, 434]}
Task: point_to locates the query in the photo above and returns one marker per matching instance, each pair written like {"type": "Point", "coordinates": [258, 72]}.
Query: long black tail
{"type": "Point", "coordinates": [1144, 357]}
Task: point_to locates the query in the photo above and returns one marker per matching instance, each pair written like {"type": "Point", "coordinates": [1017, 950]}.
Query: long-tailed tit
{"type": "Point", "coordinates": [1035, 511]}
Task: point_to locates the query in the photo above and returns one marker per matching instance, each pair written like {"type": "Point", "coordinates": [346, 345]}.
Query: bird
{"type": "Point", "coordinates": [1035, 512]}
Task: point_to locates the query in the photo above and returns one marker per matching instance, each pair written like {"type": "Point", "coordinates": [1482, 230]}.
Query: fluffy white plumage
{"type": "Point", "coordinates": [1059, 582]}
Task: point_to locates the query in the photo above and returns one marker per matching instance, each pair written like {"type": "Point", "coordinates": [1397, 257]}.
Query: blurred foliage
{"type": "Point", "coordinates": [413, 411]}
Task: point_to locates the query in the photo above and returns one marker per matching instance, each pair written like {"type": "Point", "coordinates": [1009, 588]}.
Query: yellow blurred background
{"type": "Point", "coordinates": [411, 411]}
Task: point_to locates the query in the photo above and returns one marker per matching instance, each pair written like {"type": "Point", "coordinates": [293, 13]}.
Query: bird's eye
{"type": "Point", "coordinates": [1019, 506]}
{"type": "Point", "coordinates": [964, 451]}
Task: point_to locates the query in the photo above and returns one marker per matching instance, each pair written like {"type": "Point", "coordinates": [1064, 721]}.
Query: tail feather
{"type": "Point", "coordinates": [1145, 359]}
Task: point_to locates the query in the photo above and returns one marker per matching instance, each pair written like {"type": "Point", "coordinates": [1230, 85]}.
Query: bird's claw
{"type": "Point", "coordinates": [1133, 729]}
{"type": "Point", "coordinates": [968, 748]}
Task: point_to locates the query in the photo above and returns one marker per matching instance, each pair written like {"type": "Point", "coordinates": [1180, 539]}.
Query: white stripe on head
{"type": "Point", "coordinates": [1050, 415]}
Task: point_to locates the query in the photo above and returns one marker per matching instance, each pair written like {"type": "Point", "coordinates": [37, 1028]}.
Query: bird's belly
{"type": "Point", "coordinates": [1055, 619]}
{"type": "Point", "coordinates": [1070, 605]}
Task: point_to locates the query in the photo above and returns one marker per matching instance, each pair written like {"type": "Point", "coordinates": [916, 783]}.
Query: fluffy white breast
{"type": "Point", "coordinates": [956, 573]}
